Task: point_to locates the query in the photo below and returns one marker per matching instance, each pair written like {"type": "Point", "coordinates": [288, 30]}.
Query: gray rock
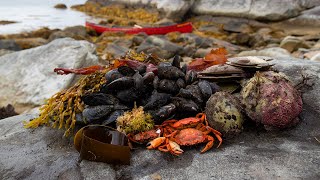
{"type": "Point", "coordinates": [292, 43]}
{"type": "Point", "coordinates": [316, 57]}
{"type": "Point", "coordinates": [160, 46]}
{"type": "Point", "coordinates": [9, 44]}
{"type": "Point", "coordinates": [77, 32]}
{"type": "Point", "coordinates": [200, 53]}
{"type": "Point", "coordinates": [5, 51]}
{"type": "Point", "coordinates": [27, 77]}
{"type": "Point", "coordinates": [272, 52]}
{"type": "Point", "coordinates": [118, 48]}
{"type": "Point", "coordinates": [289, 154]}
{"type": "Point", "coordinates": [259, 9]}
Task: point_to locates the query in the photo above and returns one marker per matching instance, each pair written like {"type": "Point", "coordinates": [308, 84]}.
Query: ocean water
{"type": "Point", "coordinates": [33, 14]}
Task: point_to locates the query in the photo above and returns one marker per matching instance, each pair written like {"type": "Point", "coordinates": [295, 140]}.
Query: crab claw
{"type": "Point", "coordinates": [155, 143]}
{"type": "Point", "coordinates": [175, 148]}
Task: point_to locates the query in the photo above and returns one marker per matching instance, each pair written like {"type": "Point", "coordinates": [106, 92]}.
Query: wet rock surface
{"type": "Point", "coordinates": [254, 154]}
{"type": "Point", "coordinates": [30, 79]}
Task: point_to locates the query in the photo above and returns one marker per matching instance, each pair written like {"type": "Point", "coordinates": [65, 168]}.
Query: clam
{"type": "Point", "coordinates": [251, 62]}
{"type": "Point", "coordinates": [222, 72]}
{"type": "Point", "coordinates": [224, 114]}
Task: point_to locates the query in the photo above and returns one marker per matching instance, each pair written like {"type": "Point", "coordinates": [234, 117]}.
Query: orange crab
{"type": "Point", "coordinates": [185, 132]}
{"type": "Point", "coordinates": [143, 137]}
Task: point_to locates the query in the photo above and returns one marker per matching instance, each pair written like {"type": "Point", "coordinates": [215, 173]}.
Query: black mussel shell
{"type": "Point", "coordinates": [181, 83]}
{"type": "Point", "coordinates": [184, 68]}
{"type": "Point", "coordinates": [176, 61]}
{"type": "Point", "coordinates": [170, 72]}
{"type": "Point", "coordinates": [121, 107]}
{"type": "Point", "coordinates": [120, 84]}
{"type": "Point", "coordinates": [205, 89]}
{"type": "Point", "coordinates": [92, 113]}
{"type": "Point", "coordinates": [112, 117]}
{"type": "Point", "coordinates": [168, 86]}
{"type": "Point", "coordinates": [113, 75]}
{"type": "Point", "coordinates": [141, 69]}
{"type": "Point", "coordinates": [157, 100]}
{"type": "Point", "coordinates": [138, 81]}
{"type": "Point", "coordinates": [95, 99]}
{"type": "Point", "coordinates": [215, 88]}
{"type": "Point", "coordinates": [148, 78]}
{"type": "Point", "coordinates": [191, 77]}
{"type": "Point", "coordinates": [126, 70]}
{"type": "Point", "coordinates": [128, 95]}
{"type": "Point", "coordinates": [156, 81]}
{"type": "Point", "coordinates": [185, 105]}
{"type": "Point", "coordinates": [163, 113]}
{"type": "Point", "coordinates": [191, 92]}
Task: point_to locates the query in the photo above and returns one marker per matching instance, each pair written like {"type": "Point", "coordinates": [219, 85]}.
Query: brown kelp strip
{"type": "Point", "coordinates": [61, 109]}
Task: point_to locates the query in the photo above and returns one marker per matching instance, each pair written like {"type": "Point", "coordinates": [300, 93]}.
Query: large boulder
{"type": "Point", "coordinates": [27, 78]}
{"type": "Point", "coordinates": [273, 10]}
{"type": "Point", "coordinates": [290, 154]}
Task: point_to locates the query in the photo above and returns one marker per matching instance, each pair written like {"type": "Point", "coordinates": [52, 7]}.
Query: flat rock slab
{"type": "Point", "coordinates": [255, 154]}
{"type": "Point", "coordinates": [27, 77]}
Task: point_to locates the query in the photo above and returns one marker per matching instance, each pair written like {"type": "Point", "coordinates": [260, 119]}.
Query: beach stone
{"type": "Point", "coordinates": [76, 32]}
{"type": "Point", "coordinates": [272, 52]}
{"type": "Point", "coordinates": [9, 44]}
{"type": "Point", "coordinates": [292, 43]}
{"type": "Point", "coordinates": [160, 46]}
{"type": "Point", "coordinates": [27, 43]}
{"type": "Point", "coordinates": [60, 6]}
{"type": "Point", "coordinates": [115, 50]}
{"type": "Point", "coordinates": [27, 78]}
{"type": "Point", "coordinates": [44, 153]}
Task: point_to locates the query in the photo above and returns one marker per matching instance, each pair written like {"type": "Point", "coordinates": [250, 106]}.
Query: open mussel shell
{"type": "Point", "coordinates": [120, 84]}
{"type": "Point", "coordinates": [102, 144]}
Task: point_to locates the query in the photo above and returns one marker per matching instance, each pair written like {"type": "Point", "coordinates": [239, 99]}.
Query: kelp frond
{"type": "Point", "coordinates": [61, 109]}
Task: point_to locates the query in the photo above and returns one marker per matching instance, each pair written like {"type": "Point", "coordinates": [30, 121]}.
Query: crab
{"type": "Point", "coordinates": [144, 137]}
{"type": "Point", "coordinates": [185, 132]}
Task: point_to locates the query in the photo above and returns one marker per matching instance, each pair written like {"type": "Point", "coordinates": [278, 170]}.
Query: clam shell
{"type": "Point", "coordinates": [221, 69]}
{"type": "Point", "coordinates": [250, 61]}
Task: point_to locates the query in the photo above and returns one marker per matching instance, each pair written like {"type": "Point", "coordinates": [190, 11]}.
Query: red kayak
{"type": "Point", "coordinates": [183, 28]}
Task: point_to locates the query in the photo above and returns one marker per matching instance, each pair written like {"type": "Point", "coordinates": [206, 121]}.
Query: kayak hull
{"type": "Point", "coordinates": [182, 28]}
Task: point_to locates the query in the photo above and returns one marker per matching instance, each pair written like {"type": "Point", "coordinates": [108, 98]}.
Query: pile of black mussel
{"type": "Point", "coordinates": [171, 92]}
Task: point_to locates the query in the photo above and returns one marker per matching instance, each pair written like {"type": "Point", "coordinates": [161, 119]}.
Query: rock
{"type": "Point", "coordinates": [5, 22]}
{"type": "Point", "coordinates": [290, 154]}
{"type": "Point", "coordinates": [27, 78]}
{"type": "Point", "coordinates": [7, 111]}
{"type": "Point", "coordinates": [242, 38]}
{"type": "Point", "coordinates": [292, 43]}
{"type": "Point", "coordinates": [5, 51]}
{"type": "Point", "coordinates": [317, 45]}
{"type": "Point", "coordinates": [316, 57]}
{"type": "Point", "coordinates": [115, 50]}
{"type": "Point", "coordinates": [272, 10]}
{"type": "Point", "coordinates": [27, 43]}
{"type": "Point", "coordinates": [160, 46]}
{"type": "Point", "coordinates": [188, 50]}
{"type": "Point", "coordinates": [9, 44]}
{"type": "Point", "coordinates": [256, 40]}
{"type": "Point", "coordinates": [200, 53]}
{"type": "Point", "coordinates": [272, 52]}
{"type": "Point", "coordinates": [76, 32]}
{"type": "Point", "coordinates": [310, 53]}
{"type": "Point", "coordinates": [60, 6]}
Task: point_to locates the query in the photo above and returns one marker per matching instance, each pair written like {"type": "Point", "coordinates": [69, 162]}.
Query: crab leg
{"type": "Point", "coordinates": [217, 134]}
{"type": "Point", "coordinates": [209, 144]}
{"type": "Point", "coordinates": [155, 143]}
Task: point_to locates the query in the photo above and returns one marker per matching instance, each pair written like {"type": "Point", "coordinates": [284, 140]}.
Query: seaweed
{"type": "Point", "coordinates": [60, 110]}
